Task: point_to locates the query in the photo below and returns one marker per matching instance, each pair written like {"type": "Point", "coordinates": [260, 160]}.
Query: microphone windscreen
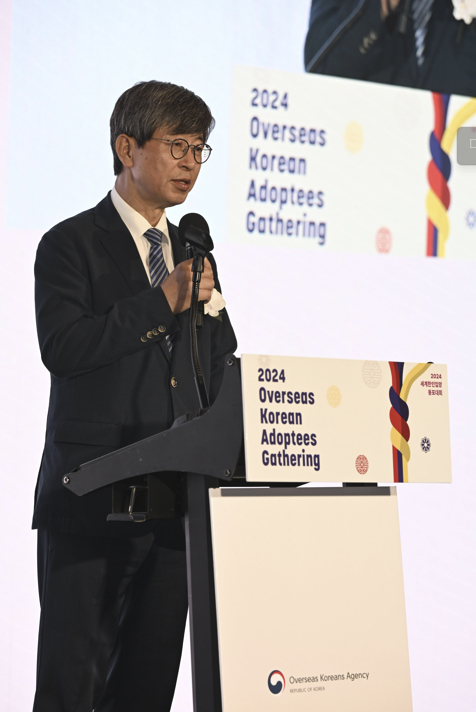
{"type": "Point", "coordinates": [194, 220]}
{"type": "Point", "coordinates": [194, 230]}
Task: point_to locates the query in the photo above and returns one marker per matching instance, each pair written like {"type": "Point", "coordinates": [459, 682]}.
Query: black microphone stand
{"type": "Point", "coordinates": [196, 322]}
{"type": "Point", "coordinates": [201, 310]}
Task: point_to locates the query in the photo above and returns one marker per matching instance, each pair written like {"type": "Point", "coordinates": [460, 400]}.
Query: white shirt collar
{"type": "Point", "coordinates": [135, 222]}
{"type": "Point", "coordinates": [137, 226]}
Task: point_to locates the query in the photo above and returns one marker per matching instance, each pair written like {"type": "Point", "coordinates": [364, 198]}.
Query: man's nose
{"type": "Point", "coordinates": [188, 161]}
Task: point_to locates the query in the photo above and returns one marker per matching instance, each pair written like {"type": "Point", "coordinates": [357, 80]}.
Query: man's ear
{"type": "Point", "coordinates": [125, 146]}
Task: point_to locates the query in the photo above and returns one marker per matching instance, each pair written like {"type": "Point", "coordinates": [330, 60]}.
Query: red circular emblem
{"type": "Point", "coordinates": [384, 240]}
{"type": "Point", "coordinates": [361, 464]}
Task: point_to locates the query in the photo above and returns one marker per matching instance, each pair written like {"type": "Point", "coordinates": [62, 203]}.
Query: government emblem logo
{"type": "Point", "coordinates": [276, 682]}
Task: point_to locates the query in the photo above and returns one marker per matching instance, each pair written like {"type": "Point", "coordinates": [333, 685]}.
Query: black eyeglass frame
{"type": "Point", "coordinates": [189, 145]}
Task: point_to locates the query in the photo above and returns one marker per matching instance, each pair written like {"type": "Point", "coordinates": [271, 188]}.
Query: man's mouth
{"type": "Point", "coordinates": [181, 183]}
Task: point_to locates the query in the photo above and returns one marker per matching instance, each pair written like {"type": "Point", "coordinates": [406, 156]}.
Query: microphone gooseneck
{"type": "Point", "coordinates": [194, 235]}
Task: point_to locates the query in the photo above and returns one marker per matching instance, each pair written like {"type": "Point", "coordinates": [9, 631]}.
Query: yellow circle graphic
{"type": "Point", "coordinates": [333, 396]}
{"type": "Point", "coordinates": [353, 137]}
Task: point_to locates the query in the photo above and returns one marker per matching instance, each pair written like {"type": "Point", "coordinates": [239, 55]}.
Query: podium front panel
{"type": "Point", "coordinates": [310, 601]}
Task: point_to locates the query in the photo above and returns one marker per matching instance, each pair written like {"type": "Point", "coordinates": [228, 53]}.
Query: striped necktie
{"type": "Point", "coordinates": [421, 16]}
{"type": "Point", "coordinates": [157, 267]}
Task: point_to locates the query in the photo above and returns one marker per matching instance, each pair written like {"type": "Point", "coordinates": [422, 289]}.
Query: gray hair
{"type": "Point", "coordinates": [146, 106]}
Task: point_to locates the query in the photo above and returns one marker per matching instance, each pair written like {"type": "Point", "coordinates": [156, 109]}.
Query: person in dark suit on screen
{"type": "Point", "coordinates": [113, 292]}
{"type": "Point", "coordinates": [411, 43]}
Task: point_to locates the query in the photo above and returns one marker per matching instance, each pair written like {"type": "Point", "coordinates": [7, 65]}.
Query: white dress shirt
{"type": "Point", "coordinates": [137, 226]}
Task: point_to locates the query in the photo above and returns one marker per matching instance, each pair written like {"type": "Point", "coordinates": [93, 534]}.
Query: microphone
{"type": "Point", "coordinates": [194, 232]}
{"type": "Point", "coordinates": [194, 235]}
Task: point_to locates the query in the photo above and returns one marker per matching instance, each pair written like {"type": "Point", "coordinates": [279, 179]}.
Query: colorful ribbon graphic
{"type": "Point", "coordinates": [439, 171]}
{"type": "Point", "coordinates": [399, 412]}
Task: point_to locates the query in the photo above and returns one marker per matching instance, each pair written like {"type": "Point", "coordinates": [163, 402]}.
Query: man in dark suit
{"type": "Point", "coordinates": [414, 43]}
{"type": "Point", "coordinates": [112, 299]}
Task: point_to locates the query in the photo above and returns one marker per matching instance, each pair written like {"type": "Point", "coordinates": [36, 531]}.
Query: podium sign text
{"type": "Point", "coordinates": [314, 419]}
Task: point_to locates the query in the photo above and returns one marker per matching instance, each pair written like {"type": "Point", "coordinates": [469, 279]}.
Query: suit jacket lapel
{"type": "Point", "coordinates": [120, 245]}
{"type": "Point", "coordinates": [180, 255]}
{"type": "Point", "coordinates": [178, 250]}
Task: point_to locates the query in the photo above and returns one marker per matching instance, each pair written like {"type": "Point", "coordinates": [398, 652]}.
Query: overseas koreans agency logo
{"type": "Point", "coordinates": [276, 682]}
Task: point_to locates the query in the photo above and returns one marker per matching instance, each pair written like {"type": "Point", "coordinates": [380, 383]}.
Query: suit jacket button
{"type": "Point", "coordinates": [150, 335]}
{"type": "Point", "coordinates": [174, 382]}
{"type": "Point", "coordinates": [155, 332]}
{"type": "Point", "coordinates": [143, 338]}
{"type": "Point", "coordinates": [162, 328]}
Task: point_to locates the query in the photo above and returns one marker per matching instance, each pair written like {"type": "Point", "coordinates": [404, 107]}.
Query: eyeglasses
{"type": "Point", "coordinates": [179, 148]}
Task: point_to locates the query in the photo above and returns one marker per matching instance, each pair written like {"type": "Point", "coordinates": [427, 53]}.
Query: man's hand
{"type": "Point", "coordinates": [388, 6]}
{"type": "Point", "coordinates": [177, 287]}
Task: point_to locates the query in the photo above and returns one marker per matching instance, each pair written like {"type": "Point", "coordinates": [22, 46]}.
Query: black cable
{"type": "Point", "coordinates": [197, 370]}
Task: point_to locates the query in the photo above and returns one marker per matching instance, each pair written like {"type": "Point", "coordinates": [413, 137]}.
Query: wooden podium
{"type": "Point", "coordinates": [295, 592]}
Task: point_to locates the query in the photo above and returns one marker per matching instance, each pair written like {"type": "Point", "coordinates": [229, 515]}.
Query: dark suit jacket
{"type": "Point", "coordinates": [109, 386]}
{"type": "Point", "coordinates": [347, 38]}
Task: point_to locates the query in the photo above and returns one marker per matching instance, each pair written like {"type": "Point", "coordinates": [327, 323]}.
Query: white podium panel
{"type": "Point", "coordinates": [310, 602]}
{"type": "Point", "coordinates": [343, 420]}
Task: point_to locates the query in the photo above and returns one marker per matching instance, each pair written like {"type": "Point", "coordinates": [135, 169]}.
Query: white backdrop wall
{"type": "Point", "coordinates": [62, 68]}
